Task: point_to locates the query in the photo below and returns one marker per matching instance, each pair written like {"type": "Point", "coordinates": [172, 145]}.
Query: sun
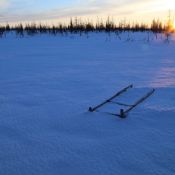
{"type": "Point", "coordinates": [174, 25]}
{"type": "Point", "coordinates": [171, 27]}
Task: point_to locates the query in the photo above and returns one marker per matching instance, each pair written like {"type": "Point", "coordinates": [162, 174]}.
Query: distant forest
{"type": "Point", "coordinates": [78, 26]}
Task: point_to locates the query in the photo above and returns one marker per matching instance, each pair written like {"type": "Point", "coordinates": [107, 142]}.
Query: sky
{"type": "Point", "coordinates": [53, 11]}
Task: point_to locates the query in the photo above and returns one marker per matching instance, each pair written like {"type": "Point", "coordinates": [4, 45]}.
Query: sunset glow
{"type": "Point", "coordinates": [53, 11]}
{"type": "Point", "coordinates": [174, 25]}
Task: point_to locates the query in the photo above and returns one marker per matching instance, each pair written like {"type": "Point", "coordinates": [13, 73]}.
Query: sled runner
{"type": "Point", "coordinates": [123, 113]}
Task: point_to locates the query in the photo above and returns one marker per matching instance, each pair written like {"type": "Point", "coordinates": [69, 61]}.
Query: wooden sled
{"type": "Point", "coordinates": [123, 113]}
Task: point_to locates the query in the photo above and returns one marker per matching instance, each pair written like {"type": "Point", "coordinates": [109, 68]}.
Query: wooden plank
{"type": "Point", "coordinates": [138, 102]}
{"type": "Point", "coordinates": [92, 109]}
{"type": "Point", "coordinates": [120, 104]}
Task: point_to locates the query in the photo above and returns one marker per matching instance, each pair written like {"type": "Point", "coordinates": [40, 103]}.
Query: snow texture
{"type": "Point", "coordinates": [47, 84]}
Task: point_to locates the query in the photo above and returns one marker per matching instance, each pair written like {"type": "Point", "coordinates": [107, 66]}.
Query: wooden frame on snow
{"type": "Point", "coordinates": [123, 113]}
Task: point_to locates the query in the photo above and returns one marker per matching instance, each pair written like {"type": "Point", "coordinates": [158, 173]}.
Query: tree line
{"type": "Point", "coordinates": [78, 26]}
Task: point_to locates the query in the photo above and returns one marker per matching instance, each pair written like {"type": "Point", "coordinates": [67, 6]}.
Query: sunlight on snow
{"type": "Point", "coordinates": [165, 77]}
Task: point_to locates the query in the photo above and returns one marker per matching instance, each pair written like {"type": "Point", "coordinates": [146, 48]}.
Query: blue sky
{"type": "Point", "coordinates": [61, 10]}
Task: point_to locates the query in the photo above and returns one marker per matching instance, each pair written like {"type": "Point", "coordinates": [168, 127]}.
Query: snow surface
{"type": "Point", "coordinates": [47, 84]}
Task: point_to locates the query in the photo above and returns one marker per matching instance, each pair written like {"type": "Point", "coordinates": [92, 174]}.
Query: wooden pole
{"type": "Point", "coordinates": [92, 109]}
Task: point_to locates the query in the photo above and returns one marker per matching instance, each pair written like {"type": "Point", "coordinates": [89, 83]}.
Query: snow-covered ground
{"type": "Point", "coordinates": [47, 84]}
